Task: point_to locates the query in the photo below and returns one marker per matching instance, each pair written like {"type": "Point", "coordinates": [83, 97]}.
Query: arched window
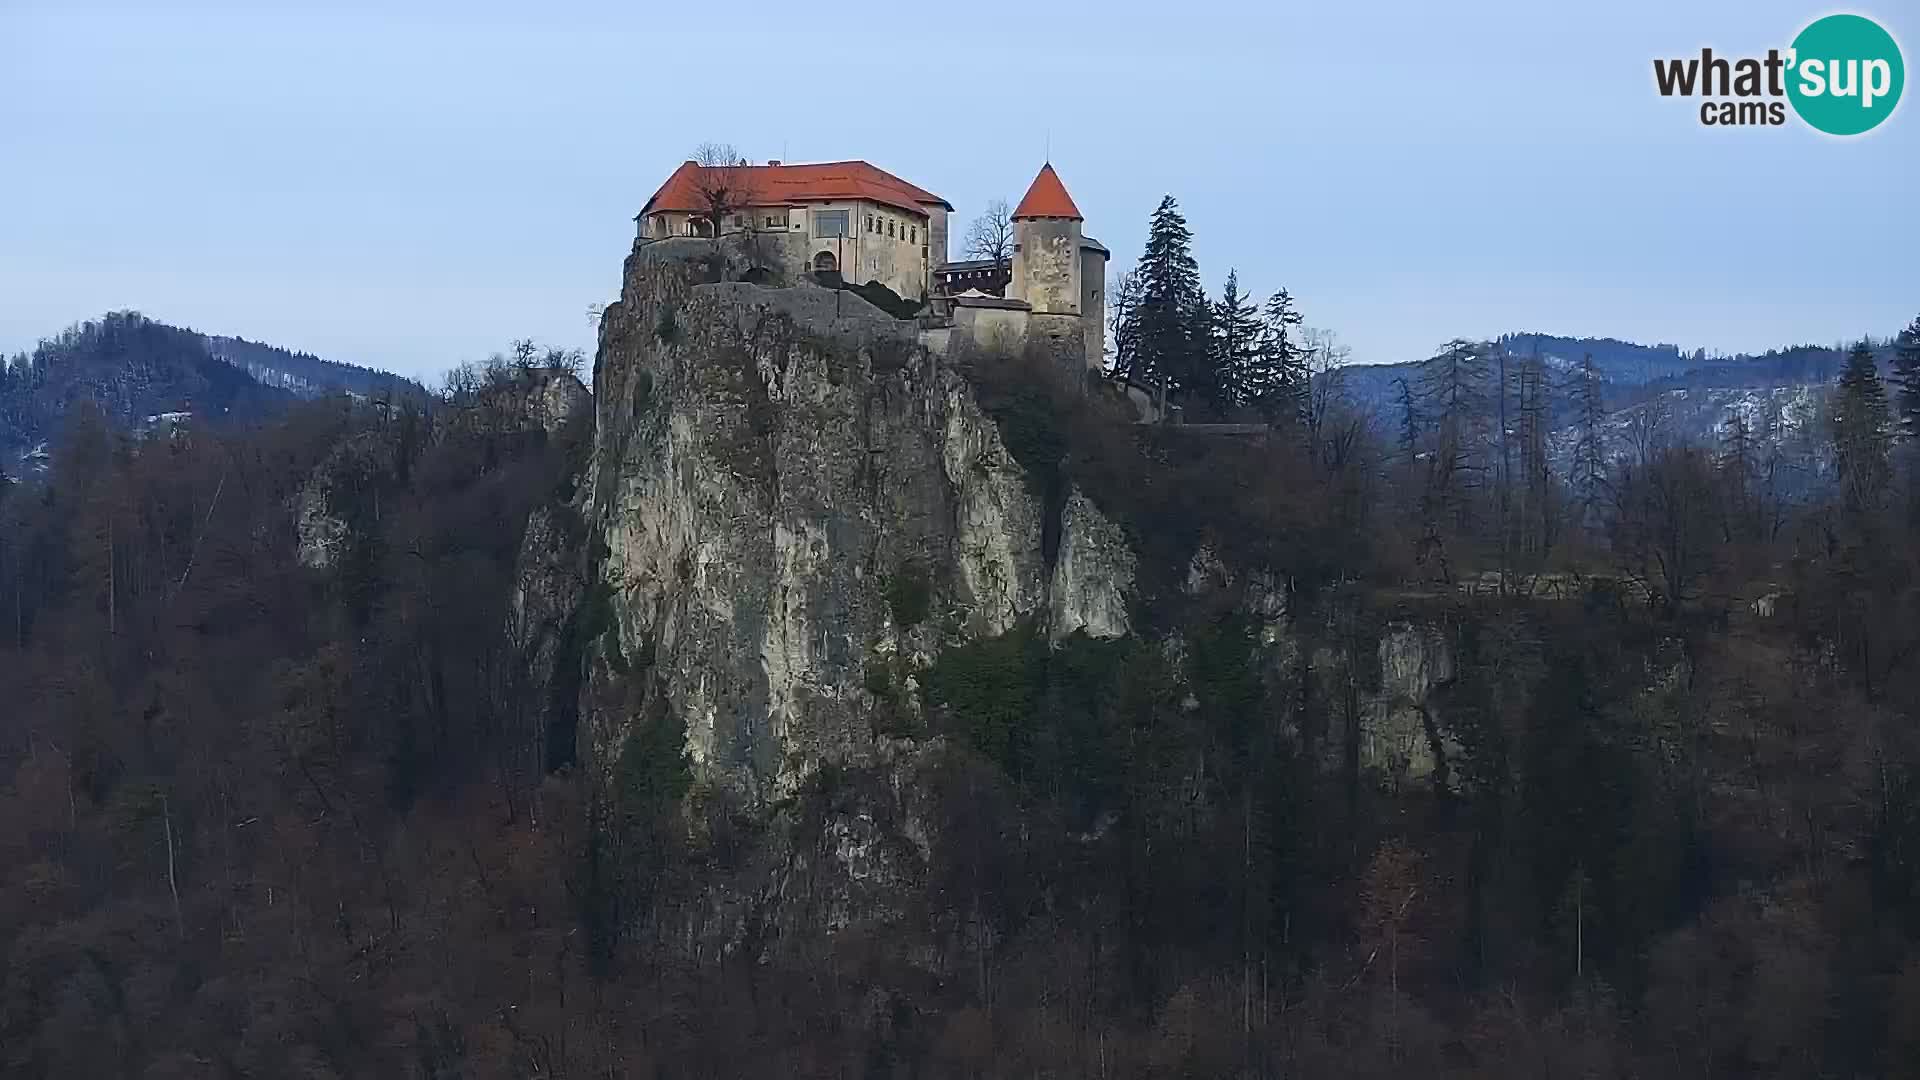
{"type": "Point", "coordinates": [825, 263]}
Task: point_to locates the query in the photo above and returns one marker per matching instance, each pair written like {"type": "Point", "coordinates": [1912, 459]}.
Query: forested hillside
{"type": "Point", "coordinates": [1697, 389]}
{"type": "Point", "coordinates": [305, 374]}
{"type": "Point", "coordinates": [131, 368]}
{"type": "Point", "coordinates": [138, 370]}
{"type": "Point", "coordinates": [1417, 756]}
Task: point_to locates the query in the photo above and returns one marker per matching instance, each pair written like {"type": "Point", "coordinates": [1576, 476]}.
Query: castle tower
{"type": "Point", "coordinates": [1046, 247]}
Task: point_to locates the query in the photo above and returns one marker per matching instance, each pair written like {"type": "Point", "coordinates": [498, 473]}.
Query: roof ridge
{"type": "Point", "coordinates": [854, 178]}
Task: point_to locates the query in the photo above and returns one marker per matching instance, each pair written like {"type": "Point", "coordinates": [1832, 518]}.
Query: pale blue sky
{"type": "Point", "coordinates": [409, 185]}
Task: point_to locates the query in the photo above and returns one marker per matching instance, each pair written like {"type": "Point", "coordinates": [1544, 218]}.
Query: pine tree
{"type": "Point", "coordinates": [1167, 344]}
{"type": "Point", "coordinates": [1408, 441]}
{"type": "Point", "coordinates": [1234, 344]}
{"type": "Point", "coordinates": [1203, 388]}
{"type": "Point", "coordinates": [1862, 429]}
{"type": "Point", "coordinates": [1906, 373]}
{"type": "Point", "coordinates": [1280, 380]}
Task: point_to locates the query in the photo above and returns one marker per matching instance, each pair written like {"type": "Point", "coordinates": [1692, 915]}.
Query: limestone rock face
{"type": "Point", "coordinates": [788, 489]}
{"type": "Point", "coordinates": [1093, 573]}
{"type": "Point", "coordinates": [1402, 732]}
{"type": "Point", "coordinates": [321, 535]}
{"type": "Point", "coordinates": [555, 398]}
{"type": "Point", "coordinates": [547, 591]}
{"type": "Point", "coordinates": [324, 508]}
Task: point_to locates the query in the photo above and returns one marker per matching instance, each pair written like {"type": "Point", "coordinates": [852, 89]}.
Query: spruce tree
{"type": "Point", "coordinates": [1279, 378]}
{"type": "Point", "coordinates": [1906, 374]}
{"type": "Point", "coordinates": [1861, 432]}
{"type": "Point", "coordinates": [1168, 346]}
{"type": "Point", "coordinates": [1234, 343]}
{"type": "Point", "coordinates": [1409, 425]}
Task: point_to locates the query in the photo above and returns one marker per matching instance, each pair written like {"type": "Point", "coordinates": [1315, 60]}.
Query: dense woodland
{"type": "Point", "coordinates": [132, 367]}
{"type": "Point", "coordinates": [259, 819]}
{"type": "Point", "coordinates": [127, 366]}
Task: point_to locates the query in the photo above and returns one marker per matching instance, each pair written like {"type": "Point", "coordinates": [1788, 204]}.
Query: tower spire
{"type": "Point", "coordinates": [1047, 197]}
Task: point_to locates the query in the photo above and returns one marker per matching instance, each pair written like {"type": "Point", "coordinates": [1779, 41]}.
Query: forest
{"type": "Point", "coordinates": [260, 817]}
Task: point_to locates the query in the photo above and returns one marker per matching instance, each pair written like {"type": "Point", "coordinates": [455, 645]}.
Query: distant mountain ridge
{"type": "Point", "coordinates": [1695, 389]}
{"type": "Point", "coordinates": [304, 374]}
{"type": "Point", "coordinates": [141, 372]}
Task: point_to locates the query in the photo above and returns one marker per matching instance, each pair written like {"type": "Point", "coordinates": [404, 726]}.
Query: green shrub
{"type": "Point", "coordinates": [990, 688]}
{"type": "Point", "coordinates": [1066, 722]}
{"type": "Point", "coordinates": [878, 681]}
{"type": "Point", "coordinates": [653, 771]}
{"type": "Point", "coordinates": [909, 593]}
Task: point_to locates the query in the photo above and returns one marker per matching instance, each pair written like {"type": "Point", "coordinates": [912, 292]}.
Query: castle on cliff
{"type": "Point", "coordinates": [851, 221]}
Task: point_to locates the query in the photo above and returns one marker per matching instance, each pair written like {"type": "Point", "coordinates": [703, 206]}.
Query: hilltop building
{"type": "Point", "coordinates": [864, 224]}
{"type": "Point", "coordinates": [842, 217]}
{"type": "Point", "coordinates": [1055, 287]}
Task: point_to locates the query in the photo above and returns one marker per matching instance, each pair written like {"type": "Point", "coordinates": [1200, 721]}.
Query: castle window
{"type": "Point", "coordinates": [869, 222]}
{"type": "Point", "coordinates": [913, 235]}
{"type": "Point", "coordinates": [889, 228]}
{"type": "Point", "coordinates": [831, 222]}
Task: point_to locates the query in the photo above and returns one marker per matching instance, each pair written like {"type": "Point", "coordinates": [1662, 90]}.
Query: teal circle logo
{"type": "Point", "coordinates": [1845, 74]}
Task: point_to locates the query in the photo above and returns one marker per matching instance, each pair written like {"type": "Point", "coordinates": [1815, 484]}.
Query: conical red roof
{"type": "Point", "coordinates": [1047, 197]}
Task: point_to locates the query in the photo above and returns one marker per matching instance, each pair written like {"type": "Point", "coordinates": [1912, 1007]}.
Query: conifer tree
{"type": "Point", "coordinates": [1234, 344]}
{"type": "Point", "coordinates": [1408, 441]}
{"type": "Point", "coordinates": [1861, 432]}
{"type": "Point", "coordinates": [1167, 342]}
{"type": "Point", "coordinates": [1280, 376]}
{"type": "Point", "coordinates": [1203, 387]}
{"type": "Point", "coordinates": [1906, 373]}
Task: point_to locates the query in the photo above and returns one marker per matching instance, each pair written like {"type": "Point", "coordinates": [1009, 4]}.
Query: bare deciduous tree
{"type": "Point", "coordinates": [1649, 428]}
{"type": "Point", "coordinates": [1123, 330]}
{"type": "Point", "coordinates": [991, 234]}
{"type": "Point", "coordinates": [1326, 360]}
{"type": "Point", "coordinates": [1587, 473]}
{"type": "Point", "coordinates": [723, 183]}
{"type": "Point", "coordinates": [1665, 523]}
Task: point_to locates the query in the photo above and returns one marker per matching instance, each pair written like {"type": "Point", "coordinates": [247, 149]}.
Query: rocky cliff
{"type": "Point", "coordinates": [794, 506]}
{"type": "Point", "coordinates": [794, 512]}
{"type": "Point", "coordinates": [791, 494]}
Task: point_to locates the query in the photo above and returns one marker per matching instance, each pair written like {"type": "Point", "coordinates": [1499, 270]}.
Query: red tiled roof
{"type": "Point", "coordinates": [785, 185]}
{"type": "Point", "coordinates": [1047, 197]}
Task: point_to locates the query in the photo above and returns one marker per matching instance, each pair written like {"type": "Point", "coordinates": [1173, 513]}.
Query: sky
{"type": "Point", "coordinates": [409, 185]}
